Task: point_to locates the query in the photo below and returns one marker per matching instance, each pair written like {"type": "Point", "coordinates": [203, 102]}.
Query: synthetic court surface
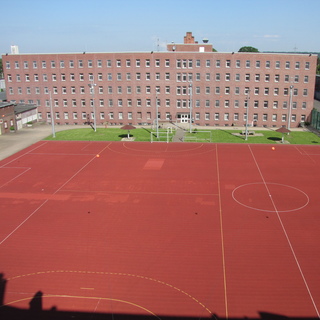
{"type": "Point", "coordinates": [178, 229]}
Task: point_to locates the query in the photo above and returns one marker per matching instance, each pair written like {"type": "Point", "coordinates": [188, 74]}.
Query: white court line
{"type": "Point", "coordinates": [64, 154]}
{"type": "Point", "coordinates": [23, 222]}
{"type": "Point", "coordinates": [23, 155]}
{"type": "Point", "coordinates": [286, 235]}
{"type": "Point", "coordinates": [26, 169]}
{"type": "Point", "coordinates": [42, 204]}
{"type": "Point", "coordinates": [222, 238]}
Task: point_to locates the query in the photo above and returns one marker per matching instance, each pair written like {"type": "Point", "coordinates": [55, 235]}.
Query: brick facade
{"type": "Point", "coordinates": [218, 86]}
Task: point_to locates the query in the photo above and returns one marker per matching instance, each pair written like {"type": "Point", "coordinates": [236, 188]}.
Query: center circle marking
{"type": "Point", "coordinates": [278, 197]}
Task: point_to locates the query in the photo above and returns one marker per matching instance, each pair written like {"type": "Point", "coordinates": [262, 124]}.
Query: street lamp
{"type": "Point", "coordinates": [247, 113]}
{"type": "Point", "coordinates": [190, 106]}
{"type": "Point", "coordinates": [290, 107]}
{"type": "Point", "coordinates": [157, 112]}
{"type": "Point", "coordinates": [52, 117]}
{"type": "Point", "coordinates": [92, 85]}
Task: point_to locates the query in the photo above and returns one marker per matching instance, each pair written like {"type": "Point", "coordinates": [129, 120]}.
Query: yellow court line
{"type": "Point", "coordinates": [83, 297]}
{"type": "Point", "coordinates": [113, 274]}
{"type": "Point", "coordinates": [222, 238]}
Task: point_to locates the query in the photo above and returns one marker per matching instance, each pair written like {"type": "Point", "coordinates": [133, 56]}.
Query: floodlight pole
{"type": "Point", "coordinates": [290, 107]}
{"type": "Point", "coordinates": [157, 117]}
{"type": "Point", "coordinates": [52, 117]}
{"type": "Point", "coordinates": [247, 113]}
{"type": "Point", "coordinates": [190, 106]}
{"type": "Point", "coordinates": [92, 85]}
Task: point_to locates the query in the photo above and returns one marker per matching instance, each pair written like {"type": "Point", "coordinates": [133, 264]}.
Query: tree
{"type": "Point", "coordinates": [248, 49]}
{"type": "Point", "coordinates": [1, 69]}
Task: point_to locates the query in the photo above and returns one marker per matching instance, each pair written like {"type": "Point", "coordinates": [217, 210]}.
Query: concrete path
{"type": "Point", "coordinates": [179, 136]}
{"type": "Point", "coordinates": [10, 143]}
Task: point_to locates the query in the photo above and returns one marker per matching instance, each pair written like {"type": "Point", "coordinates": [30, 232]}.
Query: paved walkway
{"type": "Point", "coordinates": [179, 136]}
{"type": "Point", "coordinates": [11, 143]}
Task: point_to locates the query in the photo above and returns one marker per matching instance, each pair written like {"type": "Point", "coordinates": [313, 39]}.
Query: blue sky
{"type": "Point", "coordinates": [43, 26]}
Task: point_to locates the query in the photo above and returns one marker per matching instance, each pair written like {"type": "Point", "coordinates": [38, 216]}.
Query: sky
{"type": "Point", "coordinates": [56, 26]}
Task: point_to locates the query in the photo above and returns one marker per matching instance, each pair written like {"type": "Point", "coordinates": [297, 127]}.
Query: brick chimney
{"type": "Point", "coordinates": [189, 38]}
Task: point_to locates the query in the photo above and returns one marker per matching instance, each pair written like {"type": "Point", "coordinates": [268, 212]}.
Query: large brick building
{"type": "Point", "coordinates": [189, 79]}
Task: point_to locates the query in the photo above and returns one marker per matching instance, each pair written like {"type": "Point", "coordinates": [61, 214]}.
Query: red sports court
{"type": "Point", "coordinates": [181, 230]}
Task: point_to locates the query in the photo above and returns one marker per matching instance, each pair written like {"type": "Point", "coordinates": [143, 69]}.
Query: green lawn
{"type": "Point", "coordinates": [217, 135]}
{"type": "Point", "coordinates": [261, 136]}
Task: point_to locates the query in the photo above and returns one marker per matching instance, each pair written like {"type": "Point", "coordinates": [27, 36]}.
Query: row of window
{"type": "Point", "coordinates": [180, 77]}
{"type": "Point", "coordinates": [198, 116]}
{"type": "Point", "coordinates": [179, 90]}
{"type": "Point", "coordinates": [179, 103]}
{"type": "Point", "coordinates": [180, 63]}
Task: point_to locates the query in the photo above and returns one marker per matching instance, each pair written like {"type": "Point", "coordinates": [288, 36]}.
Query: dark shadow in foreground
{"type": "Point", "coordinates": [36, 312]}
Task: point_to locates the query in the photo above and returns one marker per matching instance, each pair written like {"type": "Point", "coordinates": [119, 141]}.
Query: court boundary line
{"type": "Point", "coordinates": [286, 235]}
{"type": "Point", "coordinates": [118, 274]}
{"type": "Point", "coordinates": [22, 155]}
{"type": "Point", "coordinates": [17, 176]}
{"type": "Point", "coordinates": [84, 297]}
{"type": "Point", "coordinates": [167, 152]}
{"type": "Point", "coordinates": [43, 203]}
{"type": "Point", "coordinates": [222, 237]}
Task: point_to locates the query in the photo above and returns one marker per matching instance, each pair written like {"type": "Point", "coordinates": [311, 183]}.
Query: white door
{"type": "Point", "coordinates": [184, 118]}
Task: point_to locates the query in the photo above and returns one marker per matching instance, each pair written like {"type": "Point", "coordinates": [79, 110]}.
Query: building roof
{"type": "Point", "coordinates": [21, 107]}
{"type": "Point", "coordinates": [6, 104]}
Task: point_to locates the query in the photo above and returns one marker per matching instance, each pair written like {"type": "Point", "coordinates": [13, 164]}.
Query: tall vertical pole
{"type": "Point", "coordinates": [290, 107]}
{"type": "Point", "coordinates": [92, 85]}
{"type": "Point", "coordinates": [52, 116]}
{"type": "Point", "coordinates": [190, 106]}
{"type": "Point", "coordinates": [157, 117]}
{"type": "Point", "coordinates": [247, 113]}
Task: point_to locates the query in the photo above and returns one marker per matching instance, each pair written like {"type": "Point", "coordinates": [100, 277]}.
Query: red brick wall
{"type": "Point", "coordinates": [303, 103]}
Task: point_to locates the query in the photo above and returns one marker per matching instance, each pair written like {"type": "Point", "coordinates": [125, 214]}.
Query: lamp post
{"type": "Point", "coordinates": [190, 106]}
{"type": "Point", "coordinates": [52, 117]}
{"type": "Point", "coordinates": [247, 113]}
{"type": "Point", "coordinates": [92, 85]}
{"type": "Point", "coordinates": [290, 107]}
{"type": "Point", "coordinates": [157, 116]}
